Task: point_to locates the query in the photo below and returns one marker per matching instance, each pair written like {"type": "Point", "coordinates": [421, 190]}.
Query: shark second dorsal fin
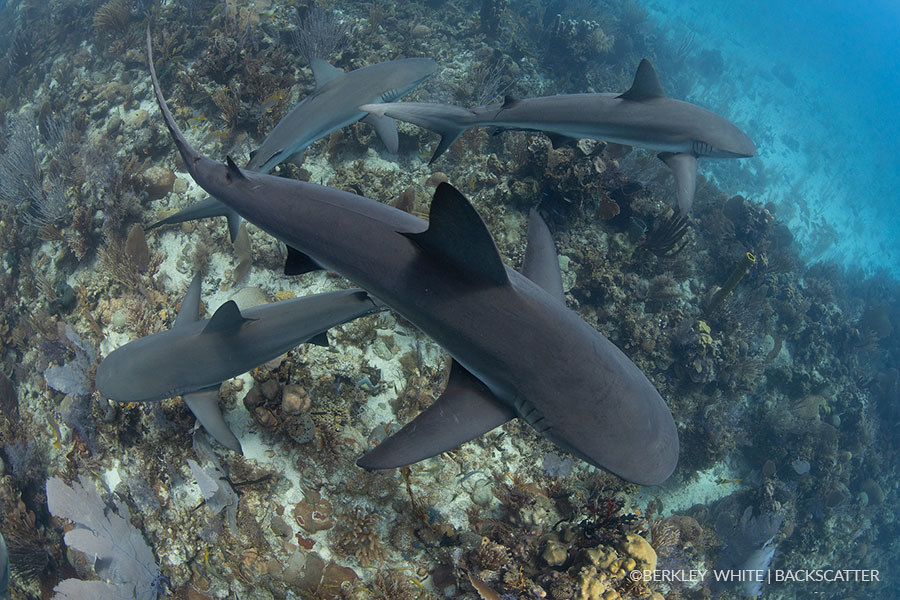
{"type": "Point", "coordinates": [323, 71]}
{"type": "Point", "coordinates": [541, 264]}
{"type": "Point", "coordinates": [228, 317]}
{"type": "Point", "coordinates": [190, 304]}
{"type": "Point", "coordinates": [646, 84]}
{"type": "Point", "coordinates": [465, 410]}
{"type": "Point", "coordinates": [457, 235]}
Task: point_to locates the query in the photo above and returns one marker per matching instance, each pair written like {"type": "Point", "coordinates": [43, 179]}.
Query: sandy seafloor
{"type": "Point", "coordinates": [786, 397]}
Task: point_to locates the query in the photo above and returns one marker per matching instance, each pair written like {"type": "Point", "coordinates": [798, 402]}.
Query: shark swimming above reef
{"type": "Point", "coordinates": [333, 105]}
{"type": "Point", "coordinates": [643, 116]}
{"type": "Point", "coordinates": [193, 357]}
{"type": "Point", "coordinates": [518, 350]}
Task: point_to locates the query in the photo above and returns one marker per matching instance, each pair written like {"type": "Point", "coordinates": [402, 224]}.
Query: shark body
{"type": "Point", "coordinates": [334, 104]}
{"type": "Point", "coordinates": [643, 116]}
{"type": "Point", "coordinates": [518, 350]}
{"type": "Point", "coordinates": [193, 357]}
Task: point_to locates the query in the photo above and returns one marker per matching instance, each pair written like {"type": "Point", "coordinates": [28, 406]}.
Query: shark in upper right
{"type": "Point", "coordinates": [334, 104]}
{"type": "Point", "coordinates": [643, 116]}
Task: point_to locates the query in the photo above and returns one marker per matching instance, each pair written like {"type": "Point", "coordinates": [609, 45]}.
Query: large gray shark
{"type": "Point", "coordinates": [643, 116]}
{"type": "Point", "coordinates": [519, 351]}
{"type": "Point", "coordinates": [333, 105]}
{"type": "Point", "coordinates": [193, 357]}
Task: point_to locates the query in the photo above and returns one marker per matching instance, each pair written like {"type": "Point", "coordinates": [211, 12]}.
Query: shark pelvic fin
{"type": "Point", "coordinates": [541, 264]}
{"type": "Point", "coordinates": [457, 235]}
{"type": "Point", "coordinates": [465, 410]}
{"type": "Point", "coordinates": [646, 84]}
{"type": "Point", "coordinates": [684, 167]}
{"type": "Point", "coordinates": [324, 72]}
{"type": "Point", "coordinates": [298, 263]}
{"type": "Point", "coordinates": [227, 318]}
{"type": "Point", "coordinates": [190, 304]}
{"type": "Point", "coordinates": [205, 406]}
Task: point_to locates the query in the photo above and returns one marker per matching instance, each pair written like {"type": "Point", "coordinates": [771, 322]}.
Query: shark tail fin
{"type": "Point", "coordinates": [188, 153]}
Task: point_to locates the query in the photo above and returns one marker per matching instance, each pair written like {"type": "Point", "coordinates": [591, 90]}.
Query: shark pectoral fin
{"type": "Point", "coordinates": [234, 224]}
{"type": "Point", "coordinates": [646, 84]}
{"type": "Point", "coordinates": [323, 71]}
{"type": "Point", "coordinates": [208, 207]}
{"type": "Point", "coordinates": [320, 339]}
{"type": "Point", "coordinates": [684, 167]}
{"type": "Point", "coordinates": [465, 410]}
{"type": "Point", "coordinates": [386, 128]}
{"type": "Point", "coordinates": [227, 317]}
{"type": "Point", "coordinates": [190, 304]}
{"type": "Point", "coordinates": [205, 406]}
{"type": "Point", "coordinates": [298, 263]}
{"type": "Point", "coordinates": [457, 235]}
{"type": "Point", "coordinates": [541, 264]}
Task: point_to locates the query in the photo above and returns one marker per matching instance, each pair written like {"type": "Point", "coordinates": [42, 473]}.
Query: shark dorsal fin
{"type": "Point", "coordinates": [324, 72]}
{"type": "Point", "coordinates": [646, 84]}
{"type": "Point", "coordinates": [509, 101]}
{"type": "Point", "coordinates": [457, 235]}
{"type": "Point", "coordinates": [190, 304]}
{"type": "Point", "coordinates": [234, 172]}
{"type": "Point", "coordinates": [228, 317]}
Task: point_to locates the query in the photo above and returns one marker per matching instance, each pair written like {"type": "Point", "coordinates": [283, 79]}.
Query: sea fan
{"type": "Point", "coordinates": [121, 556]}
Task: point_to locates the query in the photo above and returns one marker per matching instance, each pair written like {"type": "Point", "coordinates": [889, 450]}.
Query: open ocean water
{"type": "Point", "coordinates": [768, 320]}
{"type": "Point", "coordinates": [817, 86]}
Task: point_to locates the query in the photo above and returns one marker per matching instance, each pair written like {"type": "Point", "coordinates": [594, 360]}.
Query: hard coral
{"type": "Point", "coordinates": [356, 535]}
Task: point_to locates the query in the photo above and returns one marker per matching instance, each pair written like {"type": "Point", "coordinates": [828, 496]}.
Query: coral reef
{"type": "Point", "coordinates": [784, 395]}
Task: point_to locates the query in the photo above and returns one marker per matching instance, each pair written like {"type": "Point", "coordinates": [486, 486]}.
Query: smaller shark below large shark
{"type": "Point", "coordinates": [332, 105]}
{"type": "Point", "coordinates": [643, 116]}
{"type": "Point", "coordinates": [193, 357]}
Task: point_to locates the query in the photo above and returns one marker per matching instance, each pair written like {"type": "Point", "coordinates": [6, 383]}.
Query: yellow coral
{"type": "Point", "coordinates": [641, 551]}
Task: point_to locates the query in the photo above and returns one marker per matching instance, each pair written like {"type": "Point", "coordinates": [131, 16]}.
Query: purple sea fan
{"type": "Point", "coordinates": [122, 557]}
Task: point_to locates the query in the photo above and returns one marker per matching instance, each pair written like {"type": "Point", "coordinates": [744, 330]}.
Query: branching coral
{"type": "Point", "coordinates": [356, 535]}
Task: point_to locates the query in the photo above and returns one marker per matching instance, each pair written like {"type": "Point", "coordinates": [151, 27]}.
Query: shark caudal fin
{"type": "Point", "coordinates": [188, 153]}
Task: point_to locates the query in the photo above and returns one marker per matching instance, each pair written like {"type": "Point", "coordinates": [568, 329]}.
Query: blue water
{"type": "Point", "coordinates": [827, 142]}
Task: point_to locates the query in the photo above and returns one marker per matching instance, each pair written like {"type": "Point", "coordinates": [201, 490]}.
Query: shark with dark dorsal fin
{"type": "Point", "coordinates": [519, 350]}
{"type": "Point", "coordinates": [643, 116]}
{"type": "Point", "coordinates": [193, 357]}
{"type": "Point", "coordinates": [334, 104]}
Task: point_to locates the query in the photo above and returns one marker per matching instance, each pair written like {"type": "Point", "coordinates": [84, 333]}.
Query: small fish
{"type": "Point", "coordinates": [723, 481]}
